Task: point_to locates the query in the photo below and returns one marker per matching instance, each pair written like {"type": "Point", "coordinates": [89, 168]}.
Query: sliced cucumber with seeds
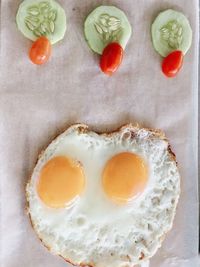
{"type": "Point", "coordinates": [37, 18]}
{"type": "Point", "coordinates": [104, 25]}
{"type": "Point", "coordinates": [171, 31]}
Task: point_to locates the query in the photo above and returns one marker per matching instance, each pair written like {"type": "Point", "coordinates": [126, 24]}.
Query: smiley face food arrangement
{"type": "Point", "coordinates": [104, 199]}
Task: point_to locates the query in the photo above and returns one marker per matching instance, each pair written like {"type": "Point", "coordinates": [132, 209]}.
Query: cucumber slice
{"type": "Point", "coordinates": [104, 25]}
{"type": "Point", "coordinates": [171, 31]}
{"type": "Point", "coordinates": [37, 18]}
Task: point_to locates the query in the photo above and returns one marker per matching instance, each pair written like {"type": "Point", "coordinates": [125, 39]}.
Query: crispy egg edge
{"type": "Point", "coordinates": [84, 129]}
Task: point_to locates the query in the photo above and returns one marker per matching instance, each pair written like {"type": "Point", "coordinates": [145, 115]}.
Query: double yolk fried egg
{"type": "Point", "coordinates": [104, 200]}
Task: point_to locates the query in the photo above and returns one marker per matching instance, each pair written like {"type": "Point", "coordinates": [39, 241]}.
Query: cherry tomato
{"type": "Point", "coordinates": [40, 51]}
{"type": "Point", "coordinates": [111, 58]}
{"type": "Point", "coordinates": [172, 63]}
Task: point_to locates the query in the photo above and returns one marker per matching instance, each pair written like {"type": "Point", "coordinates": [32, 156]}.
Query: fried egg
{"type": "Point", "coordinates": [104, 199]}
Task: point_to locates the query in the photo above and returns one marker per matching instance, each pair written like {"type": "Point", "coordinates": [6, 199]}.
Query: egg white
{"type": "Point", "coordinates": [94, 230]}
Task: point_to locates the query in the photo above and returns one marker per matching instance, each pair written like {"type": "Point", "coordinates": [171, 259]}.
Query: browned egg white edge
{"type": "Point", "coordinates": [83, 128]}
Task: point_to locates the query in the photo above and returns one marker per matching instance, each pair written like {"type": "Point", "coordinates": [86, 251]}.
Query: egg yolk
{"type": "Point", "coordinates": [124, 177]}
{"type": "Point", "coordinates": [60, 181]}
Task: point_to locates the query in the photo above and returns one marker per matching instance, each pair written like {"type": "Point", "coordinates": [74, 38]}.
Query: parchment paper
{"type": "Point", "coordinates": [37, 103]}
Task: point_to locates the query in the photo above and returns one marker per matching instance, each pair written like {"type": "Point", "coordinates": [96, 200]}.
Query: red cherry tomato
{"type": "Point", "coordinates": [172, 63]}
{"type": "Point", "coordinates": [111, 58]}
{"type": "Point", "coordinates": [40, 51]}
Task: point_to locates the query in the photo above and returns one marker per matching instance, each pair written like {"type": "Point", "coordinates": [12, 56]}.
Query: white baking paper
{"type": "Point", "coordinates": [37, 103]}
